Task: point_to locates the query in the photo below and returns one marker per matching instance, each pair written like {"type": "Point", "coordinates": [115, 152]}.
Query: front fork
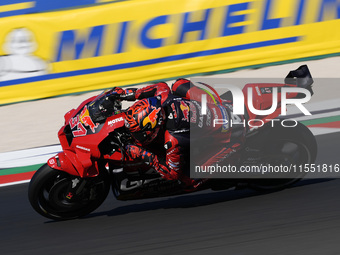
{"type": "Point", "coordinates": [75, 188]}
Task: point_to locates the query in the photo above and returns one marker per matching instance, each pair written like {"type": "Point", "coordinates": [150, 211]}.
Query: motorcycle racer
{"type": "Point", "coordinates": [161, 113]}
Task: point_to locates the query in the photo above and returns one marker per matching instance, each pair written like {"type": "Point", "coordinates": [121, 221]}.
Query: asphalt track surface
{"type": "Point", "coordinates": [304, 219]}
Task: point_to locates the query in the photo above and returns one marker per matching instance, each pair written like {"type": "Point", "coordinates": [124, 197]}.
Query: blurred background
{"type": "Point", "coordinates": [56, 54]}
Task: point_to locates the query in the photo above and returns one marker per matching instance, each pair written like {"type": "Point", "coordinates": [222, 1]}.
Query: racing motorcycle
{"type": "Point", "coordinates": [77, 180]}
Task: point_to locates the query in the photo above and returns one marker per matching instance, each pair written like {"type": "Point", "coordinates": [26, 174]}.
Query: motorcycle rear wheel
{"type": "Point", "coordinates": [296, 146]}
{"type": "Point", "coordinates": [48, 190]}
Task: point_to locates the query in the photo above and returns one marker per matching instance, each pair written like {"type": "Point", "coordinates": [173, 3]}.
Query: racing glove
{"type": "Point", "coordinates": [119, 93]}
{"type": "Point", "coordinates": [115, 93]}
{"type": "Point", "coordinates": [129, 95]}
{"type": "Point", "coordinates": [136, 152]}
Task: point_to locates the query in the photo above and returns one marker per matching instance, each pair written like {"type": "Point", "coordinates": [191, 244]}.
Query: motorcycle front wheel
{"type": "Point", "coordinates": [49, 195]}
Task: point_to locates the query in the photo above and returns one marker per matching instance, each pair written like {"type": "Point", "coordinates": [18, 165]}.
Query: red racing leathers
{"type": "Point", "coordinates": [181, 113]}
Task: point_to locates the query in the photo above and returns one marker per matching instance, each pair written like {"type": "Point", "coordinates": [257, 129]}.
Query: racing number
{"type": "Point", "coordinates": [81, 131]}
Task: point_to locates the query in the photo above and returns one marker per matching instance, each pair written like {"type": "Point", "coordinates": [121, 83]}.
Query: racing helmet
{"type": "Point", "coordinates": [144, 119]}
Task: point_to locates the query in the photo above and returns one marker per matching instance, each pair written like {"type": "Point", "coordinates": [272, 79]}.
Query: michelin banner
{"type": "Point", "coordinates": [129, 42]}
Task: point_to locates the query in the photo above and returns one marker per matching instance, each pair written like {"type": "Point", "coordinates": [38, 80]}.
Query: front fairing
{"type": "Point", "coordinates": [81, 136]}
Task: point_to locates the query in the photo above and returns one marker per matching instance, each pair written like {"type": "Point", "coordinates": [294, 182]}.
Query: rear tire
{"type": "Point", "coordinates": [47, 194]}
{"type": "Point", "coordinates": [285, 145]}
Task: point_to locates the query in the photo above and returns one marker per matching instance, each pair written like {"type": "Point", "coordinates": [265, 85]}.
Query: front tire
{"type": "Point", "coordinates": [48, 190]}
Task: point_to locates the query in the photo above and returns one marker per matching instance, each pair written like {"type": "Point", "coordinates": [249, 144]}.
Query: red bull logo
{"type": "Point", "coordinates": [185, 110]}
{"type": "Point", "coordinates": [85, 118]}
{"type": "Point", "coordinates": [152, 118]}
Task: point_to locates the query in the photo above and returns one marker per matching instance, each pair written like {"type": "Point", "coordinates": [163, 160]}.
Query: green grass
{"type": "Point", "coordinates": [321, 120]}
{"type": "Point", "coordinates": [19, 170]}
